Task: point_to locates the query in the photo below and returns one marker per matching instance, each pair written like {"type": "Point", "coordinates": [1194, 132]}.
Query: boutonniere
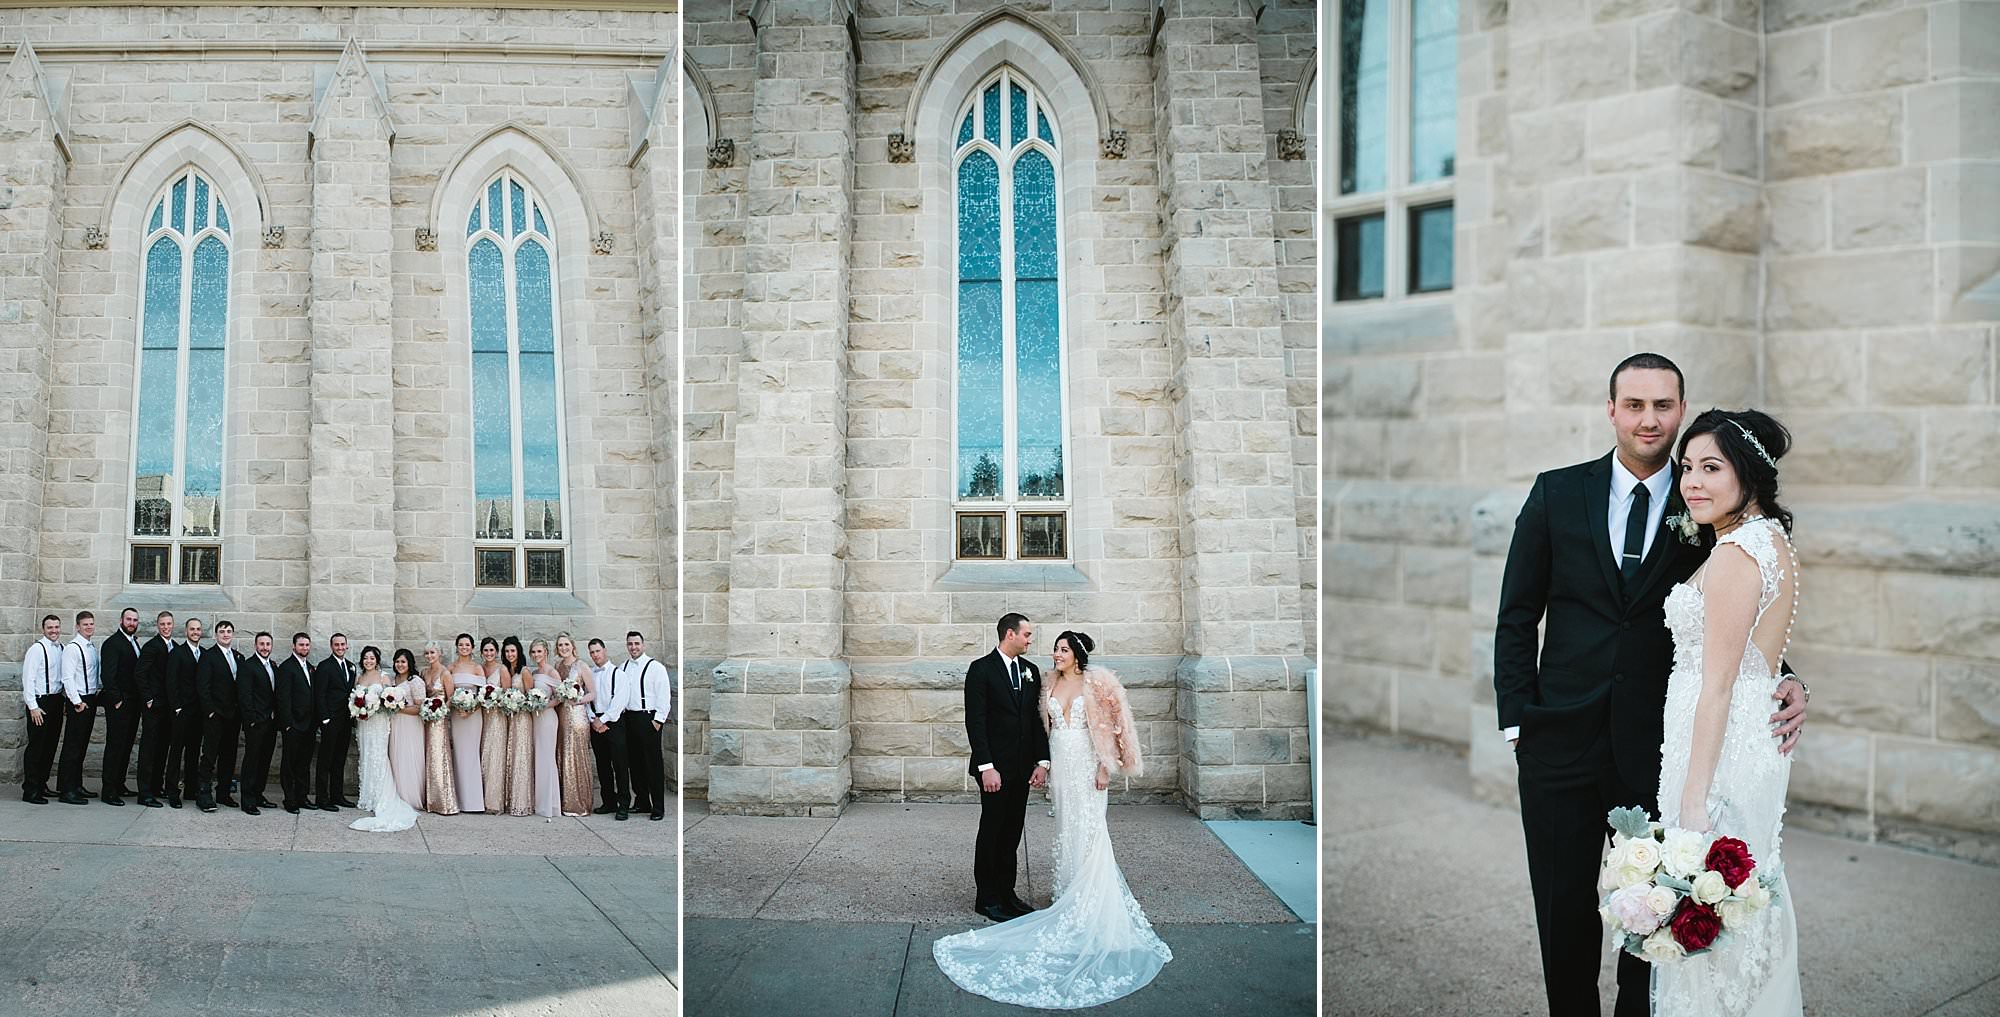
{"type": "Point", "coordinates": [1685, 528]}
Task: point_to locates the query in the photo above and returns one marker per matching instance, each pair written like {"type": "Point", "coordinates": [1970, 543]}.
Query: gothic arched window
{"type": "Point", "coordinates": [176, 518]}
{"type": "Point", "coordinates": [1009, 483]}
{"type": "Point", "coordinates": [520, 524]}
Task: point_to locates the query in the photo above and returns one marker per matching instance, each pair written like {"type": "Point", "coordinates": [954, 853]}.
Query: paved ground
{"type": "Point", "coordinates": [836, 917]}
{"type": "Point", "coordinates": [1428, 911]}
{"type": "Point", "coordinates": [149, 912]}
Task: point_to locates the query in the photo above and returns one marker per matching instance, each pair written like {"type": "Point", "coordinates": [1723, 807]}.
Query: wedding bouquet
{"type": "Point", "coordinates": [435, 708]}
{"type": "Point", "coordinates": [513, 701]}
{"type": "Point", "coordinates": [365, 702]}
{"type": "Point", "coordinates": [489, 697]}
{"type": "Point", "coordinates": [391, 700]}
{"type": "Point", "coordinates": [1675, 893]}
{"type": "Point", "coordinates": [570, 690]}
{"type": "Point", "coordinates": [537, 700]}
{"type": "Point", "coordinates": [465, 699]}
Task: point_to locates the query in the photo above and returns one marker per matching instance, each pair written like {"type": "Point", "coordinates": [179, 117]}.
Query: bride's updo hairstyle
{"type": "Point", "coordinates": [365, 651]}
{"type": "Point", "coordinates": [1746, 452]}
{"type": "Point", "coordinates": [1080, 644]}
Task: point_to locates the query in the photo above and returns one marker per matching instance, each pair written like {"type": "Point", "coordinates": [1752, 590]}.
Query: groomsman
{"type": "Point", "coordinates": [156, 728]}
{"type": "Point", "coordinates": [122, 706]}
{"type": "Point", "coordinates": [82, 676]}
{"type": "Point", "coordinates": [647, 697]}
{"type": "Point", "coordinates": [607, 734]}
{"type": "Point", "coordinates": [333, 685]}
{"type": "Point", "coordinates": [257, 704]}
{"type": "Point", "coordinates": [217, 679]}
{"type": "Point", "coordinates": [183, 769]}
{"type": "Point", "coordinates": [297, 714]}
{"type": "Point", "coordinates": [41, 693]}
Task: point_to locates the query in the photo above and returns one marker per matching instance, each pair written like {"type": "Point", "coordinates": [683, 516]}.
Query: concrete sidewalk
{"type": "Point", "coordinates": [1427, 905]}
{"type": "Point", "coordinates": [176, 914]}
{"type": "Point", "coordinates": [836, 917]}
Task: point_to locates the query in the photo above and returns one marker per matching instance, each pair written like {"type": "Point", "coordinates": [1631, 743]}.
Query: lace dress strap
{"type": "Point", "coordinates": [1756, 540]}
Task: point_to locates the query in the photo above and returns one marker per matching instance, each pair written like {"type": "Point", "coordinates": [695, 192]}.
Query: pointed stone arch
{"type": "Point", "coordinates": [699, 134]}
{"type": "Point", "coordinates": [1301, 116]}
{"type": "Point", "coordinates": [189, 141]}
{"type": "Point", "coordinates": [515, 143]}
{"type": "Point", "coordinates": [1009, 35]}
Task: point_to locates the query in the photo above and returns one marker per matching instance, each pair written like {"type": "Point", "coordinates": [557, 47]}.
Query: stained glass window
{"type": "Point", "coordinates": [177, 427]}
{"type": "Point", "coordinates": [516, 401]}
{"type": "Point", "coordinates": [1009, 403]}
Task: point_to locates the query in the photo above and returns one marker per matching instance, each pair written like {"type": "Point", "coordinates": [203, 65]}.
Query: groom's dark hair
{"type": "Point", "coordinates": [1009, 622]}
{"type": "Point", "coordinates": [1648, 362]}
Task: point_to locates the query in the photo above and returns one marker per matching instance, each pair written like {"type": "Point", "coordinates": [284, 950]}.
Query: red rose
{"type": "Point", "coordinates": [1695, 926]}
{"type": "Point", "coordinates": [1731, 858]}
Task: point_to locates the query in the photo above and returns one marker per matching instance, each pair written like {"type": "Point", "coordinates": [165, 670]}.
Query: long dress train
{"type": "Point", "coordinates": [378, 784]}
{"type": "Point", "coordinates": [1755, 972]}
{"type": "Point", "coordinates": [1093, 944]}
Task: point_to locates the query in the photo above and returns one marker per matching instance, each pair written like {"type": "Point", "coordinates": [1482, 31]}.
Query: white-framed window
{"type": "Point", "coordinates": [1010, 407]}
{"type": "Point", "coordinates": [520, 529]}
{"type": "Point", "coordinates": [1394, 148]}
{"type": "Point", "coordinates": [174, 518]}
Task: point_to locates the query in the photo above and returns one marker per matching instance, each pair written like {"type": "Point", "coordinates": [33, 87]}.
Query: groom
{"type": "Point", "coordinates": [1593, 553]}
{"type": "Point", "coordinates": [1010, 754]}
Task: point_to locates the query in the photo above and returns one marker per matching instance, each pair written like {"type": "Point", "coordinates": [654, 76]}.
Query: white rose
{"type": "Point", "coordinates": [1684, 853]}
{"type": "Point", "coordinates": [1629, 876]}
{"type": "Point", "coordinates": [1662, 900]}
{"type": "Point", "coordinates": [1660, 948]}
{"type": "Point", "coordinates": [1642, 853]}
{"type": "Point", "coordinates": [1734, 913]}
{"type": "Point", "coordinates": [1753, 893]}
{"type": "Point", "coordinates": [1710, 887]}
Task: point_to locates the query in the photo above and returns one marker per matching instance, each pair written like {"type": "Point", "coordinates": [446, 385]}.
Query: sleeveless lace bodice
{"type": "Point", "coordinates": [1756, 970]}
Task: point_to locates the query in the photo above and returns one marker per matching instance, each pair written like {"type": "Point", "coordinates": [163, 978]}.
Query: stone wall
{"type": "Point", "coordinates": [877, 694]}
{"type": "Point", "coordinates": [348, 447]}
{"type": "Point", "coordinates": [1796, 206]}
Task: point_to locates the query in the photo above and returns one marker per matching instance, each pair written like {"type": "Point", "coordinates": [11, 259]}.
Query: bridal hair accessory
{"type": "Point", "coordinates": [1754, 443]}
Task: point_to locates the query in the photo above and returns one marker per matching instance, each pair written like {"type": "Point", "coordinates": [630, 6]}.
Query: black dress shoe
{"type": "Point", "coordinates": [251, 810]}
{"type": "Point", "coordinates": [266, 803]}
{"type": "Point", "coordinates": [73, 798]}
{"type": "Point", "coordinates": [345, 803]}
{"type": "Point", "coordinates": [34, 799]}
{"type": "Point", "coordinates": [205, 805]}
{"type": "Point", "coordinates": [173, 802]}
{"type": "Point", "coordinates": [658, 816]}
{"type": "Point", "coordinates": [150, 802]}
{"type": "Point", "coordinates": [86, 792]}
{"type": "Point", "coordinates": [293, 809]}
{"type": "Point", "coordinates": [227, 801]}
{"type": "Point", "coordinates": [623, 815]}
{"type": "Point", "coordinates": [995, 913]}
{"type": "Point", "coordinates": [329, 807]}
{"type": "Point", "coordinates": [1015, 902]}
{"type": "Point", "coordinates": [112, 800]}
{"type": "Point", "coordinates": [605, 810]}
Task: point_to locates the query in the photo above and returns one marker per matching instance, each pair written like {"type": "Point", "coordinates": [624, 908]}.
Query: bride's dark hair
{"type": "Point", "coordinates": [366, 650]}
{"type": "Point", "coordinates": [1759, 479]}
{"type": "Point", "coordinates": [1080, 644]}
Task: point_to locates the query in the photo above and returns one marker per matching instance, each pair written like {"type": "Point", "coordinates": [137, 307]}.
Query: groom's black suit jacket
{"type": "Point", "coordinates": [1004, 727]}
{"type": "Point", "coordinates": [333, 685]}
{"type": "Point", "coordinates": [1604, 661]}
{"type": "Point", "coordinates": [294, 705]}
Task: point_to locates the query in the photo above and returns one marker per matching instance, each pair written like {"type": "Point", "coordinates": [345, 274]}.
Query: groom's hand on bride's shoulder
{"type": "Point", "coordinates": [1789, 722]}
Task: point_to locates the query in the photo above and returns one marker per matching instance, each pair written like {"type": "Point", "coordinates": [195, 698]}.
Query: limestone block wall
{"type": "Point", "coordinates": [1792, 226]}
{"type": "Point", "coordinates": [347, 484]}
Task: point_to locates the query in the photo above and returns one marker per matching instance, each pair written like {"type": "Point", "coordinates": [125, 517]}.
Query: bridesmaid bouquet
{"type": "Point", "coordinates": [570, 690]}
{"type": "Point", "coordinates": [391, 700]}
{"type": "Point", "coordinates": [465, 699]}
{"type": "Point", "coordinates": [489, 697]}
{"type": "Point", "coordinates": [434, 709]}
{"type": "Point", "coordinates": [1675, 893]}
{"type": "Point", "coordinates": [365, 702]}
{"type": "Point", "coordinates": [513, 701]}
{"type": "Point", "coordinates": [538, 700]}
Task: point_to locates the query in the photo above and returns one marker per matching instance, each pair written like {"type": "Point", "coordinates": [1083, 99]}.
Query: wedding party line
{"type": "Point", "coordinates": [500, 729]}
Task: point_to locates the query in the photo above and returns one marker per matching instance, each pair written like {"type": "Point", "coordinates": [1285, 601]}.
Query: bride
{"type": "Point", "coordinates": [1093, 944]}
{"type": "Point", "coordinates": [1719, 769]}
{"type": "Point", "coordinates": [378, 785]}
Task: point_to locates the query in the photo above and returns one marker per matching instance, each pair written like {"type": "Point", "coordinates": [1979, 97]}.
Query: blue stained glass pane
{"type": "Point", "coordinates": [520, 200]}
{"type": "Point", "coordinates": [200, 204]}
{"type": "Point", "coordinates": [1017, 115]}
{"type": "Point", "coordinates": [489, 297]}
{"type": "Point", "coordinates": [180, 204]}
{"type": "Point", "coordinates": [159, 215]}
{"type": "Point", "coordinates": [221, 216]}
{"type": "Point", "coordinates": [980, 427]}
{"type": "Point", "coordinates": [472, 221]}
{"type": "Point", "coordinates": [162, 329]}
{"type": "Point", "coordinates": [1037, 331]}
{"type": "Point", "coordinates": [965, 129]}
{"type": "Point", "coordinates": [153, 466]}
{"type": "Point", "coordinates": [541, 226]}
{"type": "Point", "coordinates": [534, 313]}
{"type": "Point", "coordinates": [1433, 90]}
{"type": "Point", "coordinates": [494, 209]}
{"type": "Point", "coordinates": [1042, 126]}
{"type": "Point", "coordinates": [991, 107]}
{"type": "Point", "coordinates": [540, 482]}
{"type": "Point", "coordinates": [208, 313]}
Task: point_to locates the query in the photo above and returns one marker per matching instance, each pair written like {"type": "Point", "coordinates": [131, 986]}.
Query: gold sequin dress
{"type": "Point", "coordinates": [440, 769]}
{"type": "Point", "coordinates": [573, 755]}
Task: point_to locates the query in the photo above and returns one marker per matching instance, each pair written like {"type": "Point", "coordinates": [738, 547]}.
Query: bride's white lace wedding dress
{"type": "Point", "coordinates": [1755, 971]}
{"type": "Point", "coordinates": [378, 785]}
{"type": "Point", "coordinates": [1093, 944]}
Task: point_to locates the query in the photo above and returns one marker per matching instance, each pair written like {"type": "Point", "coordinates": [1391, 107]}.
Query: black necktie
{"type": "Point", "coordinates": [1635, 532]}
{"type": "Point", "coordinates": [1014, 673]}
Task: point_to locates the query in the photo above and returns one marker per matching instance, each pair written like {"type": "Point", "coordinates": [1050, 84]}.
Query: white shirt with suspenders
{"type": "Point", "coordinates": [40, 675]}
{"type": "Point", "coordinates": [643, 682]}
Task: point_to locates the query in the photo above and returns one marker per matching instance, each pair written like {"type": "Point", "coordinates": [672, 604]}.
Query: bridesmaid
{"type": "Point", "coordinates": [406, 731]}
{"type": "Point", "coordinates": [440, 789]}
{"type": "Point", "coordinates": [520, 734]}
{"type": "Point", "coordinates": [465, 744]}
{"type": "Point", "coordinates": [573, 752]}
{"type": "Point", "coordinates": [548, 789]}
{"type": "Point", "coordinates": [493, 737]}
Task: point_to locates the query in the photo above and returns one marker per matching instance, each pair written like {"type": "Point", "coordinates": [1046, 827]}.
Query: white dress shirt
{"type": "Point", "coordinates": [610, 700]}
{"type": "Point", "coordinates": [41, 672]}
{"type": "Point", "coordinates": [82, 672]}
{"type": "Point", "coordinates": [1658, 487]}
{"type": "Point", "coordinates": [643, 682]}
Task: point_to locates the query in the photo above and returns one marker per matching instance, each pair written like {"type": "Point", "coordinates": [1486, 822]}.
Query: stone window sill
{"type": "Point", "coordinates": [1011, 576]}
{"type": "Point", "coordinates": [554, 602]}
{"type": "Point", "coordinates": [183, 601]}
